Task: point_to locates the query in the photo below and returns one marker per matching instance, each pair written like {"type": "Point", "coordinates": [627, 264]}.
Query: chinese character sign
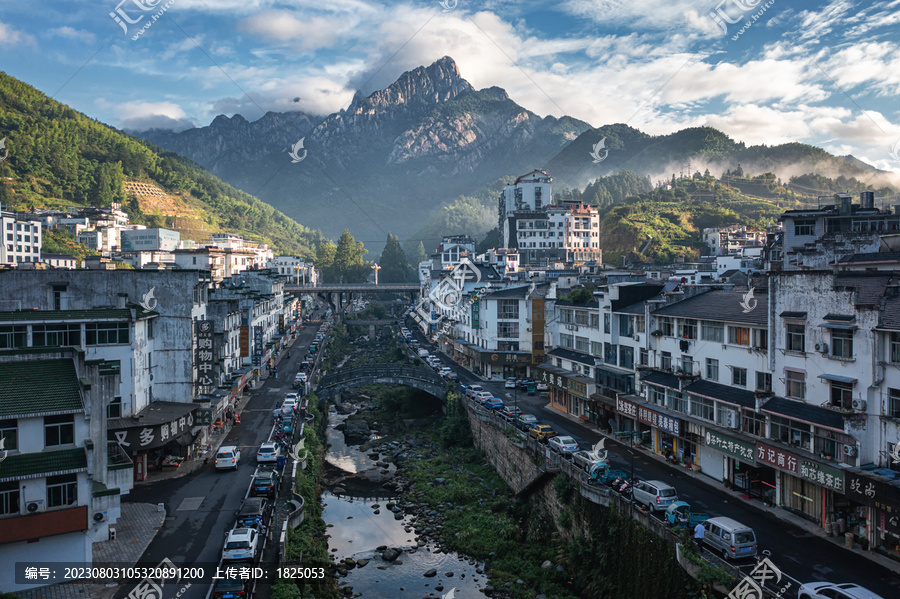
{"type": "Point", "coordinates": [822, 475]}
{"type": "Point", "coordinates": [205, 355]}
{"type": "Point", "coordinates": [777, 458]}
{"type": "Point", "coordinates": [733, 447]}
{"type": "Point", "coordinates": [626, 408]}
{"type": "Point", "coordinates": [257, 346]}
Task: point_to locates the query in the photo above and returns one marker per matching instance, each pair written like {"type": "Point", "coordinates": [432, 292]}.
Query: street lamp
{"type": "Point", "coordinates": [376, 268]}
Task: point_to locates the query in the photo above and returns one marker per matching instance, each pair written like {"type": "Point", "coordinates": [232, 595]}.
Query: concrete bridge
{"type": "Point", "coordinates": [336, 294]}
{"type": "Point", "coordinates": [347, 378]}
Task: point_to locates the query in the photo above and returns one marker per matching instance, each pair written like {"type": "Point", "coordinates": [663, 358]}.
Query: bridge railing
{"type": "Point", "coordinates": [359, 372]}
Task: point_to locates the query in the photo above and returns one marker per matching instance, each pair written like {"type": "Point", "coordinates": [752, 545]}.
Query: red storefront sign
{"type": "Point", "coordinates": [778, 458]}
{"type": "Point", "coordinates": [245, 342]}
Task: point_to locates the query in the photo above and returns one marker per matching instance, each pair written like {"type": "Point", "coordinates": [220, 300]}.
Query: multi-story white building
{"type": "Point", "coordinates": [298, 270]}
{"type": "Point", "coordinates": [731, 239]}
{"type": "Point", "coordinates": [61, 479]}
{"type": "Point", "coordinates": [252, 254]}
{"type": "Point", "coordinates": [148, 240]}
{"type": "Point", "coordinates": [454, 248]}
{"type": "Point", "coordinates": [22, 239]}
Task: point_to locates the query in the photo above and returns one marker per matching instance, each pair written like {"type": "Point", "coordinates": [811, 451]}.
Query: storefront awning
{"type": "Point", "coordinates": [838, 326]}
{"type": "Point", "coordinates": [804, 412]}
{"type": "Point", "coordinates": [156, 425]}
{"type": "Point", "coordinates": [838, 378]}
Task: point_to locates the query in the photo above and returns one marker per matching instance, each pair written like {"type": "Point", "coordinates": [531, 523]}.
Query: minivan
{"type": "Point", "coordinates": [655, 494]}
{"type": "Point", "coordinates": [729, 538]}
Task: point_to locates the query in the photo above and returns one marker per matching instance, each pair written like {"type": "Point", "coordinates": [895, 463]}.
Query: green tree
{"type": "Point", "coordinates": [349, 266]}
{"type": "Point", "coordinates": [325, 260]}
{"type": "Point", "coordinates": [419, 254]}
{"type": "Point", "coordinates": [395, 267]}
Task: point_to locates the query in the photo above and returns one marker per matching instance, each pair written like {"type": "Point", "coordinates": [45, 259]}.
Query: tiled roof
{"type": "Point", "coordinates": [661, 378]}
{"type": "Point", "coordinates": [890, 316]}
{"type": "Point", "coordinates": [872, 257]}
{"type": "Point", "coordinates": [630, 294]}
{"type": "Point", "coordinates": [44, 463]}
{"type": "Point", "coordinates": [636, 309]}
{"type": "Point", "coordinates": [39, 387]}
{"type": "Point", "coordinates": [30, 315]}
{"type": "Point", "coordinates": [870, 287]}
{"type": "Point", "coordinates": [158, 412]}
{"type": "Point", "coordinates": [805, 412]}
{"type": "Point", "coordinates": [726, 393]}
{"type": "Point", "coordinates": [570, 354]}
{"type": "Point", "coordinates": [510, 293]}
{"type": "Point", "coordinates": [724, 306]}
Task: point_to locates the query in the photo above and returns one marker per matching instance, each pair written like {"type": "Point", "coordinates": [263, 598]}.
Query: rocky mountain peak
{"type": "Point", "coordinates": [436, 83]}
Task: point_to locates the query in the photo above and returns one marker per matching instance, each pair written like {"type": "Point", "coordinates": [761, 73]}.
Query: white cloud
{"type": "Point", "coordinates": [139, 116]}
{"type": "Point", "coordinates": [309, 33]}
{"type": "Point", "coordinates": [71, 33]}
{"type": "Point", "coordinates": [9, 36]}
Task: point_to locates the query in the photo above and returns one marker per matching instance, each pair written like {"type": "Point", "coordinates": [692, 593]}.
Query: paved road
{"type": "Point", "coordinates": [201, 507]}
{"type": "Point", "coordinates": [798, 552]}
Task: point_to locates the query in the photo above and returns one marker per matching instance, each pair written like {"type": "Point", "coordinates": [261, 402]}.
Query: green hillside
{"type": "Point", "coordinates": [59, 157]}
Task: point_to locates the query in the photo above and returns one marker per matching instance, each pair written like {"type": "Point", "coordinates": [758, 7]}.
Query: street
{"type": "Point", "coordinates": [201, 507]}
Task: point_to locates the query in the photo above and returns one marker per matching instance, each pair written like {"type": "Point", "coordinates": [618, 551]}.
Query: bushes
{"type": "Point", "coordinates": [564, 488]}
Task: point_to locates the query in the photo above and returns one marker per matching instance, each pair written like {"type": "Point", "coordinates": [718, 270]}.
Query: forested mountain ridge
{"type": "Point", "coordinates": [58, 157]}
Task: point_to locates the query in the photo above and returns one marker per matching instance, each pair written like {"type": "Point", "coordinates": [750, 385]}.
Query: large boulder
{"type": "Point", "coordinates": [356, 431]}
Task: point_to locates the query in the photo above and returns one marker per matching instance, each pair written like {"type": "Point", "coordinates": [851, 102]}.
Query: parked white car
{"type": "Point", "coordinates": [563, 444]}
{"type": "Point", "coordinates": [228, 457]}
{"type": "Point", "coordinates": [268, 452]}
{"type": "Point", "coordinates": [241, 545]}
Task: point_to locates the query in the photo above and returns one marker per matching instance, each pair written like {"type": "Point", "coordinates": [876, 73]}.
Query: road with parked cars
{"type": "Point", "coordinates": [797, 552]}
{"type": "Point", "coordinates": [223, 513]}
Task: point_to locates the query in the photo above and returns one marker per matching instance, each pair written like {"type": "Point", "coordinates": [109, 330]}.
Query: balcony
{"type": "Point", "coordinates": [116, 458]}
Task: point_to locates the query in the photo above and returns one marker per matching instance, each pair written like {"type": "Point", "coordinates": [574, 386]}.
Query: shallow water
{"type": "Point", "coordinates": [348, 459]}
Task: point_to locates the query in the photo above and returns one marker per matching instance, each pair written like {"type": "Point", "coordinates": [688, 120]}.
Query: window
{"type": "Point", "coordinates": [645, 357]}
{"type": "Point", "coordinates": [639, 323]}
{"type": "Point", "coordinates": [567, 341]}
{"type": "Point", "coordinates": [712, 369]}
{"type": "Point", "coordinates": [626, 326]}
{"type": "Point", "coordinates": [508, 308]}
{"type": "Point", "coordinates": [702, 407]}
{"type": "Point", "coordinates": [106, 333]}
{"type": "Point", "coordinates": [62, 490]}
{"type": "Point", "coordinates": [610, 353]}
{"type": "Point", "coordinates": [665, 360]}
{"type": "Point", "coordinates": [13, 336]}
{"type": "Point", "coordinates": [626, 357]}
{"type": "Point", "coordinates": [739, 335]}
{"type": "Point", "coordinates": [796, 338]}
{"type": "Point", "coordinates": [595, 320]}
{"type": "Point", "coordinates": [667, 326]}
{"type": "Point", "coordinates": [581, 317]}
{"type": "Point", "coordinates": [687, 364]}
{"type": "Point", "coordinates": [582, 344]}
{"type": "Point", "coordinates": [895, 347]}
{"type": "Point", "coordinates": [841, 394]}
{"type": "Point", "coordinates": [508, 329]}
{"type": "Point", "coordinates": [795, 384]}
{"type": "Point", "coordinates": [738, 376]}
{"type": "Point", "coordinates": [596, 349]}
{"type": "Point", "coordinates": [9, 432]}
{"type": "Point", "coordinates": [567, 316]}
{"type": "Point", "coordinates": [893, 403]}
{"type": "Point", "coordinates": [688, 329]}
{"type": "Point", "coordinates": [55, 335]}
{"type": "Point", "coordinates": [842, 343]}
{"type": "Point", "coordinates": [606, 323]}
{"type": "Point", "coordinates": [791, 432]}
{"type": "Point", "coordinates": [59, 430]}
{"type": "Point", "coordinates": [656, 395]}
{"type": "Point", "coordinates": [713, 331]}
{"type": "Point", "coordinates": [760, 339]}
{"type": "Point", "coordinates": [753, 423]}
{"type": "Point", "coordinates": [804, 227]}
{"type": "Point", "coordinates": [763, 381]}
{"type": "Point", "coordinates": [9, 498]}
{"type": "Point", "coordinates": [114, 409]}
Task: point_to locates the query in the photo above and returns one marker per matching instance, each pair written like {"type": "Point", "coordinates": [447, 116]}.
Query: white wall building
{"type": "Point", "coordinates": [22, 239]}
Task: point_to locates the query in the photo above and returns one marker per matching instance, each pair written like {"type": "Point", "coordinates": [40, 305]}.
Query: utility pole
{"type": "Point", "coordinates": [376, 268]}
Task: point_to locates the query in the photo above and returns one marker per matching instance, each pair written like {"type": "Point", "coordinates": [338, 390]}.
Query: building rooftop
{"type": "Point", "coordinates": [804, 412]}
{"type": "Point", "coordinates": [45, 463]}
{"type": "Point", "coordinates": [724, 306]}
{"type": "Point", "coordinates": [39, 387]}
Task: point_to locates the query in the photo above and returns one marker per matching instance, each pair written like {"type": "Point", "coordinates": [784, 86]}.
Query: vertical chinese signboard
{"type": "Point", "coordinates": [205, 356]}
{"type": "Point", "coordinates": [476, 312]}
{"type": "Point", "coordinates": [281, 324]}
{"type": "Point", "coordinates": [245, 342]}
{"type": "Point", "coordinates": [257, 346]}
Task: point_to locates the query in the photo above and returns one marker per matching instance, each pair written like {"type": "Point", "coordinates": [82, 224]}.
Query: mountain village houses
{"type": "Point", "coordinates": [778, 374]}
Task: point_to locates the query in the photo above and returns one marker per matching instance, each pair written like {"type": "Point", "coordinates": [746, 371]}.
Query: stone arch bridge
{"type": "Point", "coordinates": [347, 378]}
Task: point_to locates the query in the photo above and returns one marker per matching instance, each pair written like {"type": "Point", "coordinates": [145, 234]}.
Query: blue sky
{"type": "Point", "coordinates": [823, 73]}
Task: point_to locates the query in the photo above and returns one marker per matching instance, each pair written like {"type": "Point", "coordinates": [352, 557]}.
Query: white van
{"type": "Point", "coordinates": [729, 538]}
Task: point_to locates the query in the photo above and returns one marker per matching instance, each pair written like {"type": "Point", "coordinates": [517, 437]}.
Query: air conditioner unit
{"type": "Point", "coordinates": [822, 348]}
{"type": "Point", "coordinates": [99, 517]}
{"type": "Point", "coordinates": [859, 405]}
{"type": "Point", "coordinates": [572, 327]}
{"type": "Point", "coordinates": [731, 420]}
{"type": "Point", "coordinates": [850, 450]}
{"type": "Point", "coordinates": [34, 507]}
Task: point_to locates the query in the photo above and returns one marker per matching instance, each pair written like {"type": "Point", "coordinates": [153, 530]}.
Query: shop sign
{"type": "Point", "coordinates": [205, 355]}
{"type": "Point", "coordinates": [822, 475]}
{"type": "Point", "coordinates": [875, 493]}
{"type": "Point", "coordinates": [778, 458]}
{"type": "Point", "coordinates": [281, 324]}
{"type": "Point", "coordinates": [245, 342]}
{"type": "Point", "coordinates": [257, 346]}
{"type": "Point", "coordinates": [660, 421]}
{"type": "Point", "coordinates": [734, 447]}
{"type": "Point", "coordinates": [204, 416]}
{"type": "Point", "coordinates": [476, 312]}
{"type": "Point", "coordinates": [150, 437]}
{"type": "Point", "coordinates": [504, 358]}
{"type": "Point", "coordinates": [555, 380]}
{"type": "Point", "coordinates": [626, 408]}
